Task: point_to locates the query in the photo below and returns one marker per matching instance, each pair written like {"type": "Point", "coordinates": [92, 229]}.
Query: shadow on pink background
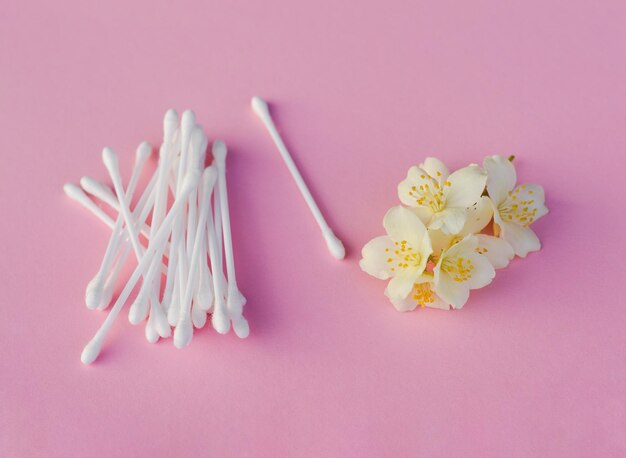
{"type": "Point", "coordinates": [534, 365]}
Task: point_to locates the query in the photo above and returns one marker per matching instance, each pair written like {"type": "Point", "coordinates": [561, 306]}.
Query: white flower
{"type": "Point", "coordinates": [498, 251]}
{"type": "Point", "coordinates": [439, 198]}
{"type": "Point", "coordinates": [459, 269]}
{"type": "Point", "coordinates": [422, 294]}
{"type": "Point", "coordinates": [515, 208]}
{"type": "Point", "coordinates": [400, 255]}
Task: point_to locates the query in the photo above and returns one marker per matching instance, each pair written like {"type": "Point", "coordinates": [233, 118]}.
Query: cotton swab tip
{"type": "Point", "coordinates": [183, 334]}
{"type": "Point", "coordinates": [220, 322]}
{"type": "Point", "coordinates": [191, 181]}
{"type": "Point", "coordinates": [93, 293]}
{"type": "Point", "coordinates": [335, 246]}
{"type": "Point", "coordinates": [197, 154]}
{"type": "Point", "coordinates": [219, 151]}
{"type": "Point", "coordinates": [144, 150]}
{"type": "Point", "coordinates": [91, 351]}
{"type": "Point", "coordinates": [93, 186]}
{"type": "Point", "coordinates": [152, 336]}
{"type": "Point", "coordinates": [73, 191]}
{"type": "Point", "coordinates": [259, 106]}
{"type": "Point", "coordinates": [137, 311]}
{"type": "Point", "coordinates": [109, 158]}
{"type": "Point", "coordinates": [241, 327]}
{"type": "Point", "coordinates": [170, 124]}
{"type": "Point", "coordinates": [187, 121]}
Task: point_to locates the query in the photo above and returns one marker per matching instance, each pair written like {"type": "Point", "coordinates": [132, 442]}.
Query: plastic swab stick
{"type": "Point", "coordinates": [184, 330]}
{"type": "Point", "coordinates": [235, 300]}
{"type": "Point", "coordinates": [155, 248]}
{"type": "Point", "coordinates": [261, 109]}
{"type": "Point", "coordinates": [205, 280]}
{"type": "Point", "coordinates": [219, 319]}
{"type": "Point", "coordinates": [95, 288]}
{"type": "Point", "coordinates": [218, 238]}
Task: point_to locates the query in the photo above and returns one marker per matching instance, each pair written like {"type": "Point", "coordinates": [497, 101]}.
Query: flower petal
{"type": "Point", "coordinates": [412, 300]}
{"type": "Point", "coordinates": [376, 256]}
{"type": "Point", "coordinates": [401, 285]}
{"type": "Point", "coordinates": [402, 224]}
{"type": "Point", "coordinates": [404, 305]}
{"type": "Point", "coordinates": [425, 214]}
{"type": "Point", "coordinates": [467, 245]}
{"type": "Point", "coordinates": [454, 293]}
{"type": "Point", "coordinates": [466, 186]}
{"type": "Point", "coordinates": [478, 216]}
{"type": "Point", "coordinates": [410, 189]}
{"type": "Point", "coordinates": [435, 168]}
{"type": "Point", "coordinates": [439, 303]}
{"type": "Point", "coordinates": [522, 239]}
{"type": "Point", "coordinates": [439, 240]}
{"type": "Point", "coordinates": [498, 251]}
{"type": "Point", "coordinates": [501, 177]}
{"type": "Point", "coordinates": [482, 273]}
{"type": "Point", "coordinates": [452, 220]}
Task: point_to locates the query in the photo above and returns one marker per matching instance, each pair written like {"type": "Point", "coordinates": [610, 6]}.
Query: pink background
{"type": "Point", "coordinates": [534, 365]}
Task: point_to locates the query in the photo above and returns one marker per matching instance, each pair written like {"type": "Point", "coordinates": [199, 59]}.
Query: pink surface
{"type": "Point", "coordinates": [532, 366]}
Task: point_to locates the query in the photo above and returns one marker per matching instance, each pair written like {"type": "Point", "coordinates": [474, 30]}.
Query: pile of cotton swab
{"type": "Point", "coordinates": [185, 245]}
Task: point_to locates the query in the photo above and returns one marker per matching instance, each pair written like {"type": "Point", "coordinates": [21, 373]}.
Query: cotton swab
{"type": "Point", "coordinates": [235, 300]}
{"type": "Point", "coordinates": [156, 246]}
{"type": "Point", "coordinates": [219, 319]}
{"type": "Point", "coordinates": [184, 331]}
{"type": "Point", "coordinates": [217, 224]}
{"type": "Point", "coordinates": [193, 233]}
{"type": "Point", "coordinates": [99, 190]}
{"type": "Point", "coordinates": [261, 109]}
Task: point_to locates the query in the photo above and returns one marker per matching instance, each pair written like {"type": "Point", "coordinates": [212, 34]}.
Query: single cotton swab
{"type": "Point", "coordinates": [155, 248]}
{"type": "Point", "coordinates": [235, 300]}
{"type": "Point", "coordinates": [261, 109]}
{"type": "Point", "coordinates": [184, 330]}
{"type": "Point", "coordinates": [219, 319]}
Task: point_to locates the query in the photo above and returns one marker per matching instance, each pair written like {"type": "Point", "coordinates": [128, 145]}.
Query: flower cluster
{"type": "Point", "coordinates": [439, 245]}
